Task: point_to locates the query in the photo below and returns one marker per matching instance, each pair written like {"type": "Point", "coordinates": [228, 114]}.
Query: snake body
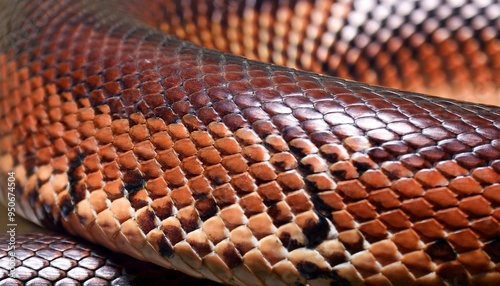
{"type": "Point", "coordinates": [249, 173]}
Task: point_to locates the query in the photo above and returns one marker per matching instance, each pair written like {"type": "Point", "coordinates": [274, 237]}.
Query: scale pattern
{"type": "Point", "coordinates": [51, 259]}
{"type": "Point", "coordinates": [238, 171]}
{"type": "Point", "coordinates": [441, 47]}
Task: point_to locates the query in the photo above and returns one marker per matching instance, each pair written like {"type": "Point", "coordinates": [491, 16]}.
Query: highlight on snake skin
{"type": "Point", "coordinates": [250, 142]}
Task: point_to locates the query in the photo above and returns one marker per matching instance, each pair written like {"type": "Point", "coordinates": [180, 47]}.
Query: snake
{"type": "Point", "coordinates": [259, 142]}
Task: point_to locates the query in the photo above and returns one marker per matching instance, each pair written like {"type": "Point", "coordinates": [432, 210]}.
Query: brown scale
{"type": "Point", "coordinates": [49, 258]}
{"type": "Point", "coordinates": [246, 173]}
{"type": "Point", "coordinates": [421, 56]}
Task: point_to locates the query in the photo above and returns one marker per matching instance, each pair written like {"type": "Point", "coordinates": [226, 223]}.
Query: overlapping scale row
{"type": "Point", "coordinates": [446, 48]}
{"type": "Point", "coordinates": [243, 172]}
{"type": "Point", "coordinates": [49, 259]}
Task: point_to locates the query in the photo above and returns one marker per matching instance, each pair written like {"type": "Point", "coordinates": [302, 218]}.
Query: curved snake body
{"type": "Point", "coordinates": [249, 173]}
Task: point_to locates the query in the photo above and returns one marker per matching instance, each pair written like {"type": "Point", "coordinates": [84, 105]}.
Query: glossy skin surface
{"type": "Point", "coordinates": [445, 48]}
{"type": "Point", "coordinates": [45, 259]}
{"type": "Point", "coordinates": [239, 171]}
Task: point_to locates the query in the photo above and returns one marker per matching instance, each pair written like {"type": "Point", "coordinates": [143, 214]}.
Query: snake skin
{"type": "Point", "coordinates": [442, 47]}
{"type": "Point", "coordinates": [45, 259]}
{"type": "Point", "coordinates": [243, 172]}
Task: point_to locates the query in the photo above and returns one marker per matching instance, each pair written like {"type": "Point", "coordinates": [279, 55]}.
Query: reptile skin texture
{"type": "Point", "coordinates": [249, 173]}
{"type": "Point", "coordinates": [45, 259]}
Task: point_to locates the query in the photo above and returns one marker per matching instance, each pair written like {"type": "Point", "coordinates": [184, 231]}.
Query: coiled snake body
{"type": "Point", "coordinates": [249, 173]}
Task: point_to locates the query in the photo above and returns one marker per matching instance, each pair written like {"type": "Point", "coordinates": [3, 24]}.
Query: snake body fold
{"type": "Point", "coordinates": [248, 173]}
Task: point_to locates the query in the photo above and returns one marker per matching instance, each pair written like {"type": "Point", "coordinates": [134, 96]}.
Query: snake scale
{"type": "Point", "coordinates": [248, 173]}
